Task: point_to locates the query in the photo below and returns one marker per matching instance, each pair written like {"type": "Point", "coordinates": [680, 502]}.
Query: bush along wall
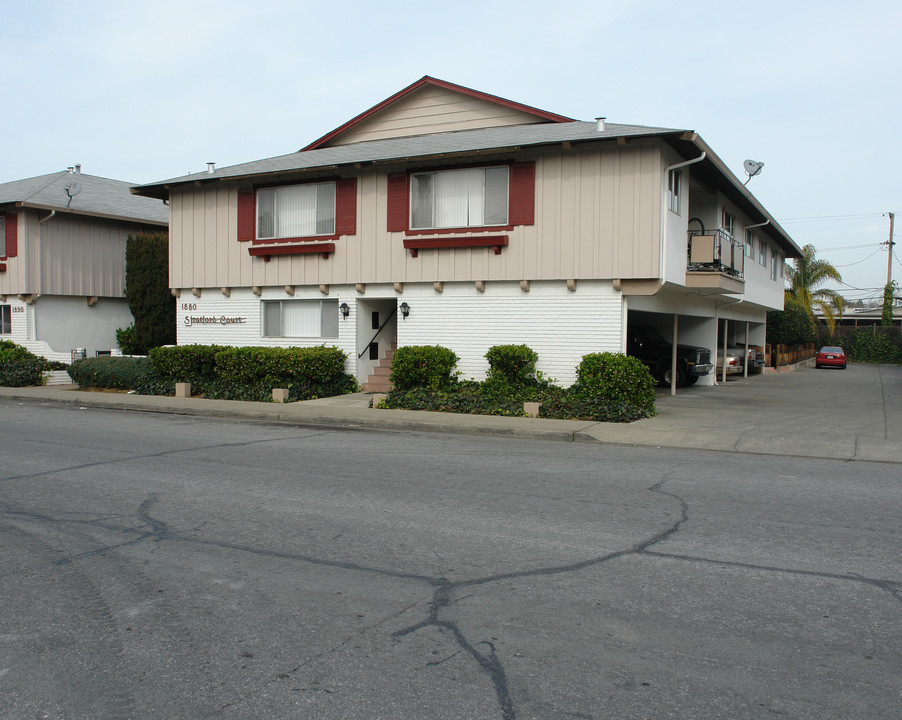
{"type": "Point", "coordinates": [248, 373]}
{"type": "Point", "coordinates": [112, 373]}
{"type": "Point", "coordinates": [611, 387]}
{"type": "Point", "coordinates": [422, 366]}
{"type": "Point", "coordinates": [18, 367]}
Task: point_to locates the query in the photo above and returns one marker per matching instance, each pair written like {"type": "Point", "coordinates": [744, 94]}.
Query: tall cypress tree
{"type": "Point", "coordinates": [147, 290]}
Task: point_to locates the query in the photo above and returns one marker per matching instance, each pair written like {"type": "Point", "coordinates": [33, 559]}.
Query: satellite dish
{"type": "Point", "coordinates": [72, 189]}
{"type": "Point", "coordinates": [752, 168]}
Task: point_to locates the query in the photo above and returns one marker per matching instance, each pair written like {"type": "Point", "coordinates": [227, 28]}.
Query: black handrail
{"type": "Point", "coordinates": [381, 327]}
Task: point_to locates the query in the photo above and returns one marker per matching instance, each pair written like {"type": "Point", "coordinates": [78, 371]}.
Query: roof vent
{"type": "Point", "coordinates": [211, 168]}
{"type": "Point", "coordinates": [78, 168]}
{"type": "Point", "coordinates": [599, 124]}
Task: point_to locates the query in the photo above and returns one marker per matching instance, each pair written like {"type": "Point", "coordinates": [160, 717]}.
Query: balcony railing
{"type": "Point", "coordinates": [715, 251]}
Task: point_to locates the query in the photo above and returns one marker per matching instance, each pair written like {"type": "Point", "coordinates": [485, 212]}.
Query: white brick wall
{"type": "Point", "coordinates": [243, 305]}
{"type": "Point", "coordinates": [561, 326]}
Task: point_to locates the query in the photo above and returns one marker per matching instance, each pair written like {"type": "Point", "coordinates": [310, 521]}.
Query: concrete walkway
{"type": "Point", "coordinates": [853, 414]}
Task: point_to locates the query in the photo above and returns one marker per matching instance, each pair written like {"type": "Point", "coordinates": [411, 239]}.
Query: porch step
{"type": "Point", "coordinates": [378, 381]}
{"type": "Point", "coordinates": [58, 377]}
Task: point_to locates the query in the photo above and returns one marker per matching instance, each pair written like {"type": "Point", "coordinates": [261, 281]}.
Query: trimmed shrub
{"type": "Point", "coordinates": [618, 379]}
{"type": "Point", "coordinates": [127, 340]}
{"type": "Point", "coordinates": [18, 367]}
{"type": "Point", "coordinates": [422, 366]}
{"type": "Point", "coordinates": [114, 373]}
{"type": "Point", "coordinates": [184, 363]}
{"type": "Point", "coordinates": [250, 365]}
{"type": "Point", "coordinates": [248, 373]}
{"type": "Point", "coordinates": [512, 364]}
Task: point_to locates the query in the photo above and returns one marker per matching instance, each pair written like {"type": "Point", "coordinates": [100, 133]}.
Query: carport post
{"type": "Point", "coordinates": [673, 356]}
{"type": "Point", "coordinates": [723, 365]}
{"type": "Point", "coordinates": [745, 364]}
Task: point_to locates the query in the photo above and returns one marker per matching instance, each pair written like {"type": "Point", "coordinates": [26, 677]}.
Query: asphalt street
{"type": "Point", "coordinates": [176, 566]}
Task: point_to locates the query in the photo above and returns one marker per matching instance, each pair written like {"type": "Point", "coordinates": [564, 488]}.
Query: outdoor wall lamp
{"type": "Point", "coordinates": [405, 309]}
{"type": "Point", "coordinates": [344, 309]}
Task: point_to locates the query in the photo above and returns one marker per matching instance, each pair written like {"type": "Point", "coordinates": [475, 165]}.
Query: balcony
{"type": "Point", "coordinates": [716, 262]}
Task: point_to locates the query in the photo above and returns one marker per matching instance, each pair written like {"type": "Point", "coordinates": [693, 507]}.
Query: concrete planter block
{"type": "Point", "coordinates": [183, 389]}
{"type": "Point", "coordinates": [378, 398]}
{"type": "Point", "coordinates": [280, 395]}
{"type": "Point", "coordinates": [531, 409]}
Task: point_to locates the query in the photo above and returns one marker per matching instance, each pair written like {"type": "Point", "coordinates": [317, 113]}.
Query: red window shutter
{"type": "Point", "coordinates": [398, 203]}
{"type": "Point", "coordinates": [12, 235]}
{"type": "Point", "coordinates": [346, 206]}
{"type": "Point", "coordinates": [247, 215]}
{"type": "Point", "coordinates": [522, 202]}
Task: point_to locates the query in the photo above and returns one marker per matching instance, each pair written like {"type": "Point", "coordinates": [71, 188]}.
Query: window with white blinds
{"type": "Point", "coordinates": [459, 198]}
{"type": "Point", "coordinates": [300, 318]}
{"type": "Point", "coordinates": [296, 211]}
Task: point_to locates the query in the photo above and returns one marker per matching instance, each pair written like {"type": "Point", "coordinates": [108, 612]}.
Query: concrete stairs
{"type": "Point", "coordinates": [378, 381]}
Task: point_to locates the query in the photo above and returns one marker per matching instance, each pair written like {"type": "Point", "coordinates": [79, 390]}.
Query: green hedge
{"type": "Point", "coordinates": [618, 379]}
{"type": "Point", "coordinates": [184, 363]}
{"type": "Point", "coordinates": [20, 368]}
{"type": "Point", "coordinates": [874, 348]}
{"type": "Point", "coordinates": [115, 373]}
{"type": "Point", "coordinates": [248, 373]}
{"type": "Point", "coordinates": [286, 365]}
{"type": "Point", "coordinates": [422, 366]}
{"type": "Point", "coordinates": [791, 326]}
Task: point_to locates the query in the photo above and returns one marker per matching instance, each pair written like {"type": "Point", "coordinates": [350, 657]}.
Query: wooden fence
{"type": "Point", "coordinates": [780, 355]}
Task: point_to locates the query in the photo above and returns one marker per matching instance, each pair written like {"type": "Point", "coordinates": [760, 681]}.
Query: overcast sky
{"type": "Point", "coordinates": [145, 91]}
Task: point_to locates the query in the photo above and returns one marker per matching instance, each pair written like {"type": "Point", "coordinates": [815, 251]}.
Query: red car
{"type": "Point", "coordinates": [830, 356]}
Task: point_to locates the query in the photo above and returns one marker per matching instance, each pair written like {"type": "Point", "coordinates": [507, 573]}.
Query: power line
{"type": "Point", "coordinates": [818, 218]}
{"type": "Point", "coordinates": [859, 261]}
{"type": "Point", "coordinates": [849, 247]}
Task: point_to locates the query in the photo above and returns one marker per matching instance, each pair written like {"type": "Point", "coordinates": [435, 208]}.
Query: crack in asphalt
{"type": "Point", "coordinates": [162, 453]}
{"type": "Point", "coordinates": [483, 652]}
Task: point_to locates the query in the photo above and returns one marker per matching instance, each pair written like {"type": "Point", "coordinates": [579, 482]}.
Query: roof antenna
{"type": "Point", "coordinates": [752, 168]}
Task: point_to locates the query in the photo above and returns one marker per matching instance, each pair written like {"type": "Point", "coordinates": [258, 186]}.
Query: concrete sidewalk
{"type": "Point", "coordinates": [854, 414]}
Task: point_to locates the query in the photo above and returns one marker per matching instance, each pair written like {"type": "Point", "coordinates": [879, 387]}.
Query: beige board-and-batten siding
{"type": "Point", "coordinates": [597, 216]}
{"type": "Point", "coordinates": [69, 255]}
{"type": "Point", "coordinates": [432, 110]}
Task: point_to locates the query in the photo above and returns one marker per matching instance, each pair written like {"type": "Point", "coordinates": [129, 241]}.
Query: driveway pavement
{"type": "Point", "coordinates": [852, 414]}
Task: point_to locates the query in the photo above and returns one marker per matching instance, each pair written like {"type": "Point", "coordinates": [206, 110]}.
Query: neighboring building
{"type": "Point", "coordinates": [62, 260]}
{"type": "Point", "coordinates": [448, 216]}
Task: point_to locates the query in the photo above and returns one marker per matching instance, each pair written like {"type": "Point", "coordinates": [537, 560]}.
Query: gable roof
{"type": "Point", "coordinates": [76, 193]}
{"type": "Point", "coordinates": [320, 157]}
{"type": "Point", "coordinates": [539, 115]}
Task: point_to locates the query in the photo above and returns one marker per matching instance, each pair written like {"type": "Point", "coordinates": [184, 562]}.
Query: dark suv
{"type": "Point", "coordinates": [647, 344]}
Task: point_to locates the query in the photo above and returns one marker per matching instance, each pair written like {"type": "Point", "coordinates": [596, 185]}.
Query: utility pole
{"type": "Point", "coordinates": [889, 258]}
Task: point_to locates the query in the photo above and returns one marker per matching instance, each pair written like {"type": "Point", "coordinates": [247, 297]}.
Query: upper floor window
{"type": "Point", "coordinates": [674, 181]}
{"type": "Point", "coordinates": [296, 211]}
{"type": "Point", "coordinates": [459, 198]}
{"type": "Point", "coordinates": [750, 240]}
{"type": "Point", "coordinates": [762, 253]}
{"type": "Point", "coordinates": [6, 320]}
{"type": "Point", "coordinates": [726, 222]}
{"type": "Point", "coordinates": [773, 265]}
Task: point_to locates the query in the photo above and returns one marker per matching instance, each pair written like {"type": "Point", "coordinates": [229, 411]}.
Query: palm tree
{"type": "Point", "coordinates": [805, 275]}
